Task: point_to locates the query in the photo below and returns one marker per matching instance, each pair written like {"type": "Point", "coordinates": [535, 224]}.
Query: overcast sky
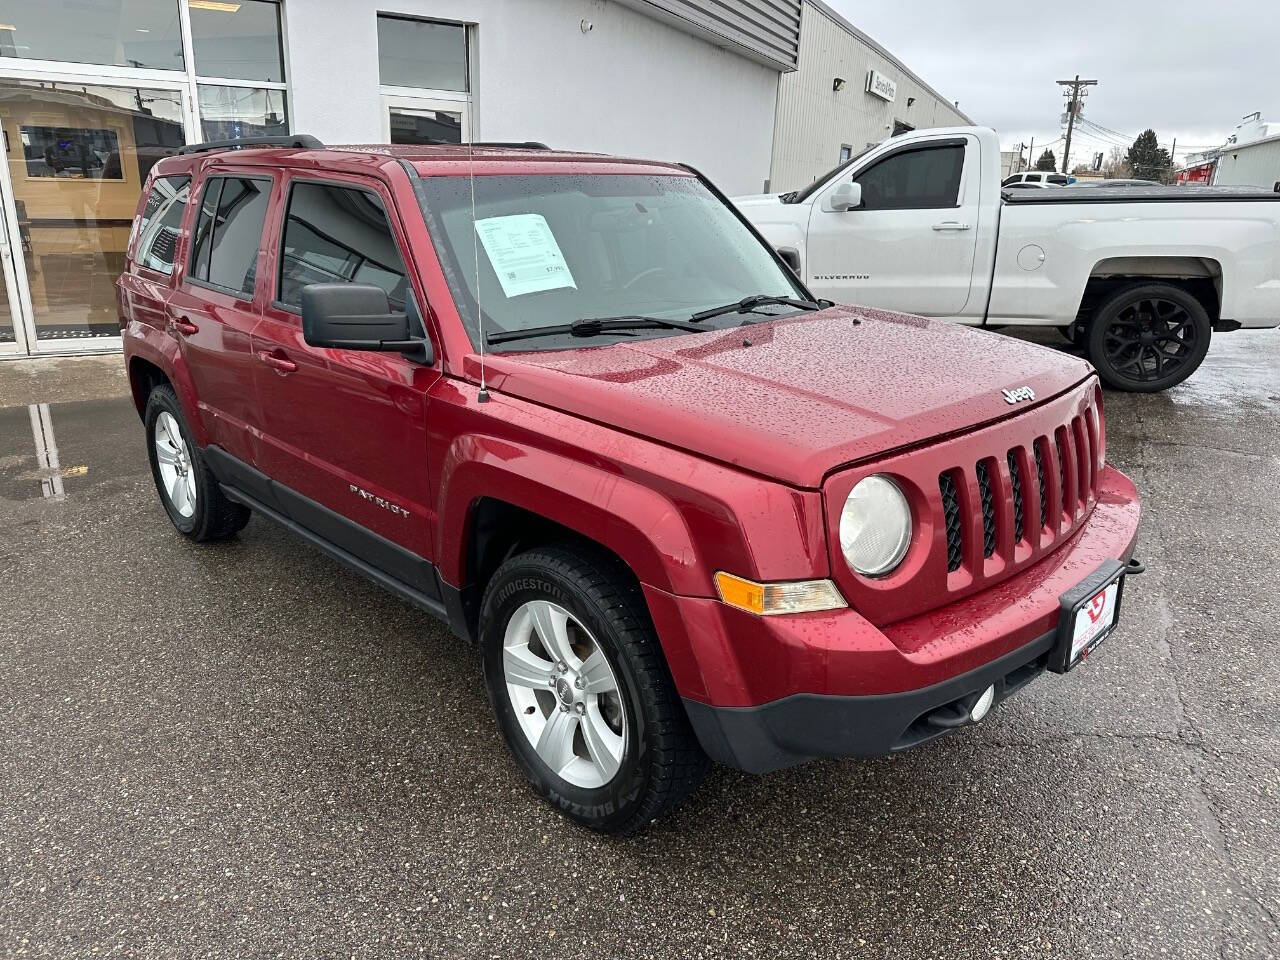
{"type": "Point", "coordinates": [1188, 70]}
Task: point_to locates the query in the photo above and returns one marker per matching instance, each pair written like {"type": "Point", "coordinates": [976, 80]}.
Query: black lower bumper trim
{"type": "Point", "coordinates": [806, 726]}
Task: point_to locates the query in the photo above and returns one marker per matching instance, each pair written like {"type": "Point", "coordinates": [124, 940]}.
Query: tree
{"type": "Point", "coordinates": [1147, 159]}
{"type": "Point", "coordinates": [1047, 161]}
{"type": "Point", "coordinates": [1116, 165]}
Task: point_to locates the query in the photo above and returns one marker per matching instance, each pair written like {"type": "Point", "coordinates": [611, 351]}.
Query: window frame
{"type": "Point", "coordinates": [134, 251]}
{"type": "Point", "coordinates": [468, 58]}
{"type": "Point", "coordinates": [961, 142]}
{"type": "Point", "coordinates": [188, 275]}
{"type": "Point", "coordinates": [282, 225]}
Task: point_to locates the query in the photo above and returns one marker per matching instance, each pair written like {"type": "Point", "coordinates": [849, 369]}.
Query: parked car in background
{"type": "Point", "coordinates": [1030, 185]}
{"type": "Point", "coordinates": [1038, 177]}
{"type": "Point", "coordinates": [1141, 276]}
{"type": "Point", "coordinates": [576, 408]}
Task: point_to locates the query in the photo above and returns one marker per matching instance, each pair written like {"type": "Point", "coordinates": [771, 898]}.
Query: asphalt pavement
{"type": "Point", "coordinates": [244, 750]}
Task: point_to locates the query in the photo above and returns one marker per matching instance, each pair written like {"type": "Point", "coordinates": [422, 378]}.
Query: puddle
{"type": "Point", "coordinates": [62, 450]}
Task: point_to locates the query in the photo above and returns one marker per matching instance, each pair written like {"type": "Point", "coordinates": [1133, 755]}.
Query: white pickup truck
{"type": "Point", "coordinates": [1139, 276]}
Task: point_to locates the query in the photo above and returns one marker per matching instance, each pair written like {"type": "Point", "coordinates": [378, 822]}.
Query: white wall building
{"type": "Point", "coordinates": [1251, 156]}
{"type": "Point", "coordinates": [93, 92]}
{"type": "Point", "coordinates": [821, 121]}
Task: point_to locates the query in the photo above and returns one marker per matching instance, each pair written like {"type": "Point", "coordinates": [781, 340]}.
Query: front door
{"type": "Point", "coordinates": [346, 430]}
{"type": "Point", "coordinates": [911, 245]}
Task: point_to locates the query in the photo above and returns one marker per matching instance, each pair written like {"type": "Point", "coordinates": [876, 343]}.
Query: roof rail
{"type": "Point", "coordinates": [513, 144]}
{"type": "Point", "coordinates": [300, 141]}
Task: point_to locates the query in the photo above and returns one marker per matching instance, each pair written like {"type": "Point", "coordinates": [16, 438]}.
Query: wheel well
{"type": "Point", "coordinates": [144, 376]}
{"type": "Point", "coordinates": [498, 530]}
{"type": "Point", "coordinates": [1199, 276]}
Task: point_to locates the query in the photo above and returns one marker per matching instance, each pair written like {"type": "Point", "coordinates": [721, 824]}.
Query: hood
{"type": "Point", "coordinates": [809, 394]}
{"type": "Point", "coordinates": [757, 200]}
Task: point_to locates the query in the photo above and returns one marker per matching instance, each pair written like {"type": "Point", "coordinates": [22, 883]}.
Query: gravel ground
{"type": "Point", "coordinates": [246, 751]}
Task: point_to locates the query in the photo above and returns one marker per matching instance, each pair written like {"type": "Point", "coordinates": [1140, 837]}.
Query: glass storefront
{"type": "Point", "coordinates": [92, 94]}
{"type": "Point", "coordinates": [78, 155]}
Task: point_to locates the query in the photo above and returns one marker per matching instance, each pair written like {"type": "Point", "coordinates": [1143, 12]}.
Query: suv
{"type": "Point", "coordinates": [575, 407]}
{"type": "Point", "coordinates": [1037, 177]}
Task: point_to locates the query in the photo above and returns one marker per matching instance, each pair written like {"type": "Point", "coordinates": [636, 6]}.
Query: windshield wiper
{"type": "Point", "coordinates": [594, 327]}
{"type": "Point", "coordinates": [747, 304]}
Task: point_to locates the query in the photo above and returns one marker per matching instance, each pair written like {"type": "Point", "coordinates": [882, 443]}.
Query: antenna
{"type": "Point", "coordinates": [483, 396]}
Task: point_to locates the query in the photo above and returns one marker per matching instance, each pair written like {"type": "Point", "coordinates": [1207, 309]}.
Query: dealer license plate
{"type": "Point", "coordinates": [1089, 614]}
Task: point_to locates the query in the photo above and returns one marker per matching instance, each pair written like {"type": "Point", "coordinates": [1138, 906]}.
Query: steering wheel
{"type": "Point", "coordinates": [641, 275]}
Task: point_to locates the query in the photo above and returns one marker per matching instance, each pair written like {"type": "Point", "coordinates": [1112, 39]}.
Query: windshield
{"type": "Point", "coordinates": [799, 196]}
{"type": "Point", "coordinates": [555, 249]}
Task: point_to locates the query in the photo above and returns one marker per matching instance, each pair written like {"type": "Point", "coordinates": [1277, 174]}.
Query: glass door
{"type": "Point", "coordinates": [12, 338]}
{"type": "Point", "coordinates": [425, 120]}
{"type": "Point", "coordinates": [77, 154]}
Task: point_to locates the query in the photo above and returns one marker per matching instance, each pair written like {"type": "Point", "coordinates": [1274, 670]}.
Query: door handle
{"type": "Point", "coordinates": [282, 364]}
{"type": "Point", "coordinates": [950, 225]}
{"type": "Point", "coordinates": [183, 326]}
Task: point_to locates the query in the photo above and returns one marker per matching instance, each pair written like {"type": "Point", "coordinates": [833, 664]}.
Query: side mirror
{"type": "Point", "coordinates": [847, 196]}
{"type": "Point", "coordinates": [357, 316]}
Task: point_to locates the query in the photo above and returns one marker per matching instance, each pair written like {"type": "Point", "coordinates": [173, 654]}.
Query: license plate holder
{"type": "Point", "coordinates": [1090, 612]}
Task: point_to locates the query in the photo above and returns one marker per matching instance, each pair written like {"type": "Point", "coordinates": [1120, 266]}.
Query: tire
{"type": "Point", "coordinates": [1147, 337]}
{"type": "Point", "coordinates": [191, 496]}
{"type": "Point", "coordinates": [616, 751]}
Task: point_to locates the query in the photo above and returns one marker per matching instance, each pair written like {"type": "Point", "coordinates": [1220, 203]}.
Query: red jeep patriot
{"type": "Point", "coordinates": [576, 408]}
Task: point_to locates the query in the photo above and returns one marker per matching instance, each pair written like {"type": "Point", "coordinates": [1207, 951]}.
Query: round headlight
{"type": "Point", "coordinates": [875, 526]}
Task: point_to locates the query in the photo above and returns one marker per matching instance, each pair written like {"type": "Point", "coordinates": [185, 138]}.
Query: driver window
{"type": "Point", "coordinates": [923, 179]}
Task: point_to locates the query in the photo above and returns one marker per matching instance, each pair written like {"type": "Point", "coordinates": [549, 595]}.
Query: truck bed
{"type": "Point", "coordinates": [1137, 195]}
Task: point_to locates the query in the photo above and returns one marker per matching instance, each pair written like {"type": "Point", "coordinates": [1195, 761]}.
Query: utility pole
{"type": "Point", "coordinates": [1078, 91]}
{"type": "Point", "coordinates": [1031, 155]}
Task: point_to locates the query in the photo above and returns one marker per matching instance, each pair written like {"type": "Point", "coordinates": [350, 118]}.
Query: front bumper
{"type": "Point", "coordinates": [769, 692]}
{"type": "Point", "coordinates": [805, 726]}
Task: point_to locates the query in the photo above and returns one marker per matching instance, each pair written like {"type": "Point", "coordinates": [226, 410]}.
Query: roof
{"type": "Point", "coordinates": [858, 35]}
{"type": "Point", "coordinates": [427, 159]}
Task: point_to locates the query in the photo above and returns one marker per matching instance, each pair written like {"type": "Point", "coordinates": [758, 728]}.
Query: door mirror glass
{"type": "Point", "coordinates": [354, 316]}
{"type": "Point", "coordinates": [847, 196]}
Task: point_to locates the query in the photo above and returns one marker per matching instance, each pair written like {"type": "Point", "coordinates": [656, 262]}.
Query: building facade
{"type": "Point", "coordinates": [847, 94]}
{"type": "Point", "coordinates": [93, 92]}
{"type": "Point", "coordinates": [1251, 156]}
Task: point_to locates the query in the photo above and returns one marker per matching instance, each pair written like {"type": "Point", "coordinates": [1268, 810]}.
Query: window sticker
{"type": "Point", "coordinates": [524, 254]}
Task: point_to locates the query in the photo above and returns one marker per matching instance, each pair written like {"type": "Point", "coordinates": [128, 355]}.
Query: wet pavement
{"type": "Point", "coordinates": [245, 750]}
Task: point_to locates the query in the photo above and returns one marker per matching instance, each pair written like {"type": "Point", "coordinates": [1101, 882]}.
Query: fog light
{"type": "Point", "coordinates": [983, 706]}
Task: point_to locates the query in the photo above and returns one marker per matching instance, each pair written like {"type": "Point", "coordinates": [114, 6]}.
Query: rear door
{"type": "Point", "coordinates": [213, 311]}
{"type": "Point", "coordinates": [911, 245]}
{"type": "Point", "coordinates": [345, 431]}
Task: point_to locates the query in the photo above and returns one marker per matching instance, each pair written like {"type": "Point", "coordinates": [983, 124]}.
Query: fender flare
{"type": "Point", "coordinates": [145, 342]}
{"type": "Point", "coordinates": [637, 523]}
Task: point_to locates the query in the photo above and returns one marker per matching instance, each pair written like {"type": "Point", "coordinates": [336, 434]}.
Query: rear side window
{"type": "Point", "coordinates": [1058, 179]}
{"type": "Point", "coordinates": [229, 232]}
{"type": "Point", "coordinates": [914, 180]}
{"type": "Point", "coordinates": [162, 223]}
{"type": "Point", "coordinates": [336, 234]}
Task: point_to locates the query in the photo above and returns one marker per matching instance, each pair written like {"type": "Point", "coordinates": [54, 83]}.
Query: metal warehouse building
{"type": "Point", "coordinates": [1252, 157]}
{"type": "Point", "coordinates": [848, 93]}
{"type": "Point", "coordinates": [94, 92]}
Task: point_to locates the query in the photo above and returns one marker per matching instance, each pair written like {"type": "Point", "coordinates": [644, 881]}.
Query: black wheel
{"type": "Point", "coordinates": [1147, 337]}
{"type": "Point", "coordinates": [191, 496]}
{"type": "Point", "coordinates": [581, 691]}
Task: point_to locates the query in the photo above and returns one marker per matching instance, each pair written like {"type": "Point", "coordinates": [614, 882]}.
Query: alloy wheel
{"type": "Point", "coordinates": [174, 459]}
{"type": "Point", "coordinates": [1150, 339]}
{"type": "Point", "coordinates": [564, 694]}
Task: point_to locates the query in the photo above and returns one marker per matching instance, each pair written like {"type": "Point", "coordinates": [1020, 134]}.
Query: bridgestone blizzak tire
{"type": "Point", "coordinates": [661, 761]}
{"type": "Point", "coordinates": [1148, 337]}
{"type": "Point", "coordinates": [213, 516]}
